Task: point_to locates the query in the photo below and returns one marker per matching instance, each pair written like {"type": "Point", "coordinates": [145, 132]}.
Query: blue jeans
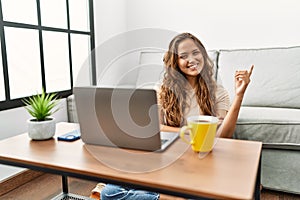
{"type": "Point", "coordinates": [115, 192]}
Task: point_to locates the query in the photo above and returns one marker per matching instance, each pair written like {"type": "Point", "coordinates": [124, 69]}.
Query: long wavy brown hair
{"type": "Point", "coordinates": [173, 91]}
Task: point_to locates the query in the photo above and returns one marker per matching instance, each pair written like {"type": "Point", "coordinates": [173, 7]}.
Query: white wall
{"type": "Point", "coordinates": [110, 18]}
{"type": "Point", "coordinates": [222, 23]}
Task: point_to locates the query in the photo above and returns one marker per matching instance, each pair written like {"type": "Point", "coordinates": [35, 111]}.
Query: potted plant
{"type": "Point", "coordinates": [41, 106]}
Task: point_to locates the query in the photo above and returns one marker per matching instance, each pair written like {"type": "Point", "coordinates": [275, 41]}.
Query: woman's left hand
{"type": "Point", "coordinates": [242, 79]}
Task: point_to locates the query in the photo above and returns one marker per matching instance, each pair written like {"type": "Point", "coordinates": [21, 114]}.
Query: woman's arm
{"type": "Point", "coordinates": [242, 79]}
{"type": "Point", "coordinates": [227, 127]}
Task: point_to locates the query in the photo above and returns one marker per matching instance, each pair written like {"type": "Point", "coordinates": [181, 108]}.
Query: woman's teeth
{"type": "Point", "coordinates": [193, 67]}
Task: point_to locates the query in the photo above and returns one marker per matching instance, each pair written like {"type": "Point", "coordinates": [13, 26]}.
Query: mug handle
{"type": "Point", "coordinates": [182, 133]}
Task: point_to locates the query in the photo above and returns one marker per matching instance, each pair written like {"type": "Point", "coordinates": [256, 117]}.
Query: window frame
{"type": "Point", "coordinates": [9, 103]}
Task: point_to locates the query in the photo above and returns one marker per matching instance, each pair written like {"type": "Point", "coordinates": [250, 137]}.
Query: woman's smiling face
{"type": "Point", "coordinates": [190, 58]}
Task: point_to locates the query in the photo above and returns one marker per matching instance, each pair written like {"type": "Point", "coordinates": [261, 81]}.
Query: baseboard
{"type": "Point", "coordinates": [17, 180]}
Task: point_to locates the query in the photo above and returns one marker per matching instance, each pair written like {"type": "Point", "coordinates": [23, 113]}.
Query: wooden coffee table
{"type": "Point", "coordinates": [230, 171]}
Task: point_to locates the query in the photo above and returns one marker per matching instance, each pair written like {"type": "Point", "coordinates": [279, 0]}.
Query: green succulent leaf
{"type": "Point", "coordinates": [41, 106]}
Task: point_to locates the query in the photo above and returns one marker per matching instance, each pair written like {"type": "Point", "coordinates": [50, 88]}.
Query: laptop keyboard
{"type": "Point", "coordinates": [163, 141]}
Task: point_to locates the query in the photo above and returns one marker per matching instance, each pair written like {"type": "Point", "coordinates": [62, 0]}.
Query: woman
{"type": "Point", "coordinates": [188, 88]}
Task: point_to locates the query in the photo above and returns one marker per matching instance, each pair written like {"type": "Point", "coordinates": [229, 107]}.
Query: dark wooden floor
{"type": "Point", "coordinates": [48, 186]}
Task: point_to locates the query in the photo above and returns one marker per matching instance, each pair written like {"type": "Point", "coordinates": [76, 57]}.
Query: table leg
{"type": "Point", "coordinates": [258, 181]}
{"type": "Point", "coordinates": [65, 184]}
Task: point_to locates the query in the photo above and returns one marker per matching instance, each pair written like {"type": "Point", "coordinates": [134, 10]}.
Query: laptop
{"type": "Point", "coordinates": [121, 117]}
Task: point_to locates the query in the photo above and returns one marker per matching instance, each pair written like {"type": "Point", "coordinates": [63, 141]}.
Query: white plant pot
{"type": "Point", "coordinates": [41, 130]}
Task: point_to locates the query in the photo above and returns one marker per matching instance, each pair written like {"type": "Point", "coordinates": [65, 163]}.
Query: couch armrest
{"type": "Point", "coordinates": [71, 108]}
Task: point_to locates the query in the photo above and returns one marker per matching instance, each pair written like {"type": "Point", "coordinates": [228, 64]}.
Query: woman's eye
{"type": "Point", "coordinates": [196, 53]}
{"type": "Point", "coordinates": [183, 57]}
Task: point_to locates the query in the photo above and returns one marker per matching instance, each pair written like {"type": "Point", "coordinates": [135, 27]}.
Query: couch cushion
{"type": "Point", "coordinates": [275, 81]}
{"type": "Point", "coordinates": [276, 126]}
{"type": "Point", "coordinates": [151, 67]}
{"type": "Point", "coordinates": [280, 170]}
